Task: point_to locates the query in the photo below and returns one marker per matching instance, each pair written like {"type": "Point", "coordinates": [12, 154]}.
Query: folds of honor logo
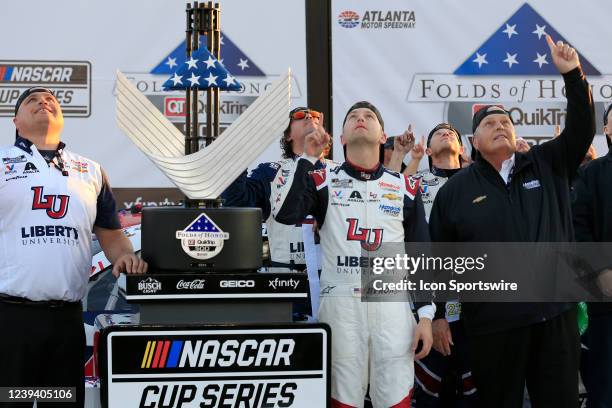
{"type": "Point", "coordinates": [512, 68]}
{"type": "Point", "coordinates": [202, 239]}
{"type": "Point", "coordinates": [233, 103]}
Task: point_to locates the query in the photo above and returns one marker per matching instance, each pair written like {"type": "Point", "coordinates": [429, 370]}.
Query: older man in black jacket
{"type": "Point", "coordinates": [507, 196]}
{"type": "Point", "coordinates": [592, 211]}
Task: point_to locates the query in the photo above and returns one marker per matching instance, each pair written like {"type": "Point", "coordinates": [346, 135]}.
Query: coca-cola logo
{"type": "Point", "coordinates": [190, 285]}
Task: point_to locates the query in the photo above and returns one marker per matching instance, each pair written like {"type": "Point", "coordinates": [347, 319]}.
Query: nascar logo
{"type": "Point", "coordinates": [215, 353]}
{"type": "Point", "coordinates": [69, 80]}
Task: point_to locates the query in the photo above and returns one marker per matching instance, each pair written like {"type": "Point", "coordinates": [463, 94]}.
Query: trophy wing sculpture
{"type": "Point", "coordinates": [206, 173]}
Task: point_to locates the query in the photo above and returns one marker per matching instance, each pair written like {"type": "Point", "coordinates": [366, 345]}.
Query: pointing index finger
{"type": "Point", "coordinates": [551, 43]}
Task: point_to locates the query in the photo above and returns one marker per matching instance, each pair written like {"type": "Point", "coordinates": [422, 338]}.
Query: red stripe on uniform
{"type": "Point", "coordinates": [338, 404]}
{"type": "Point", "coordinates": [432, 384]}
{"type": "Point", "coordinates": [164, 356]}
{"type": "Point", "coordinates": [318, 176]}
{"type": "Point", "coordinates": [158, 352]}
{"type": "Point", "coordinates": [468, 384]}
{"type": "Point", "coordinates": [406, 402]}
{"type": "Point", "coordinates": [412, 185]}
{"type": "Point", "coordinates": [2, 72]}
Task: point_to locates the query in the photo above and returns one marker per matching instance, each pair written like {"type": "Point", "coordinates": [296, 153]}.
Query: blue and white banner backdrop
{"type": "Point", "coordinates": [427, 62]}
{"type": "Point", "coordinates": [75, 48]}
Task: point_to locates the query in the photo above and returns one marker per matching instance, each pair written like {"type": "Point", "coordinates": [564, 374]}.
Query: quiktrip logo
{"type": "Point", "coordinates": [202, 239]}
{"type": "Point", "coordinates": [70, 80]}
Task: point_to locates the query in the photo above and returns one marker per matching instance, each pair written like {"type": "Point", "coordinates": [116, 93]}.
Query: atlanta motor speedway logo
{"type": "Point", "coordinates": [69, 80]}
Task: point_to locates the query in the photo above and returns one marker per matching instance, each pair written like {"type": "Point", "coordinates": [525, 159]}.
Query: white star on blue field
{"type": "Point", "coordinates": [202, 224]}
{"type": "Point", "coordinates": [232, 57]}
{"type": "Point", "coordinates": [518, 47]}
{"type": "Point", "coordinates": [201, 70]}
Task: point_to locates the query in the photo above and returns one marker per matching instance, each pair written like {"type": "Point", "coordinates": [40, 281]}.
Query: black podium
{"type": "Point", "coordinates": [212, 332]}
{"type": "Point", "coordinates": [216, 297]}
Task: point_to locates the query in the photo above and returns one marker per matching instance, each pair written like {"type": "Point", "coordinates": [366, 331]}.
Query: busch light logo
{"type": "Point", "coordinates": [190, 285]}
{"type": "Point", "coordinates": [149, 285]}
{"type": "Point", "coordinates": [202, 239]}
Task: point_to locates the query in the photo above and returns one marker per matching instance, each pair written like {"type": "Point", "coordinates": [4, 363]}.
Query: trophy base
{"type": "Point", "coordinates": [216, 297]}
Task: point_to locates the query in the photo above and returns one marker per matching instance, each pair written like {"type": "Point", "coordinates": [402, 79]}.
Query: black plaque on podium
{"type": "Point", "coordinates": [178, 239]}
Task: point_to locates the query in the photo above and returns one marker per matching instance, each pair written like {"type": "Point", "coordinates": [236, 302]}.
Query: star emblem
{"type": "Point", "coordinates": [229, 80]}
{"type": "Point", "coordinates": [178, 80]}
{"type": "Point", "coordinates": [539, 31]}
{"type": "Point", "coordinates": [171, 63]}
{"type": "Point", "coordinates": [510, 60]}
{"type": "Point", "coordinates": [195, 80]}
{"type": "Point", "coordinates": [480, 59]}
{"type": "Point", "coordinates": [212, 80]}
{"type": "Point", "coordinates": [210, 62]}
{"type": "Point", "coordinates": [510, 30]}
{"type": "Point", "coordinates": [192, 63]}
{"type": "Point", "coordinates": [244, 63]}
{"type": "Point", "coordinates": [541, 60]}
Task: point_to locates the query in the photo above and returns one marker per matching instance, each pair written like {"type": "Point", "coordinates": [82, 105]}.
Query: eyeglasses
{"type": "Point", "coordinates": [301, 114]}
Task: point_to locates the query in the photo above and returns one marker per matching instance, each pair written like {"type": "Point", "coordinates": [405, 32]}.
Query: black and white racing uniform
{"type": "Point", "coordinates": [359, 209]}
{"type": "Point", "coordinates": [432, 370]}
{"type": "Point", "coordinates": [256, 190]}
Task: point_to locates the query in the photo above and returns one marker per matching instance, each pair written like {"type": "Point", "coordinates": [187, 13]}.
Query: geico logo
{"type": "Point", "coordinates": [250, 352]}
{"type": "Point", "coordinates": [237, 283]}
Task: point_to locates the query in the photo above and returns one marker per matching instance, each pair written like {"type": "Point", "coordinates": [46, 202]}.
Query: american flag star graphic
{"type": "Point", "coordinates": [518, 47]}
{"type": "Point", "coordinates": [202, 224]}
{"type": "Point", "coordinates": [203, 71]}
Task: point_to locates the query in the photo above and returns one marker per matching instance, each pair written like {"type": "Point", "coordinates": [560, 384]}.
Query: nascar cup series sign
{"type": "Point", "coordinates": [263, 366]}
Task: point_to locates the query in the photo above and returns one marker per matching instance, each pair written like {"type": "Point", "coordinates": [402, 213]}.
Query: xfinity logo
{"type": "Point", "coordinates": [283, 283]}
{"type": "Point", "coordinates": [237, 283]}
{"type": "Point", "coordinates": [189, 285]}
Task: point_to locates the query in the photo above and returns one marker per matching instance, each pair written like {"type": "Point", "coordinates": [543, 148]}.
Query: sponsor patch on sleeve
{"type": "Point", "coordinates": [412, 185]}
